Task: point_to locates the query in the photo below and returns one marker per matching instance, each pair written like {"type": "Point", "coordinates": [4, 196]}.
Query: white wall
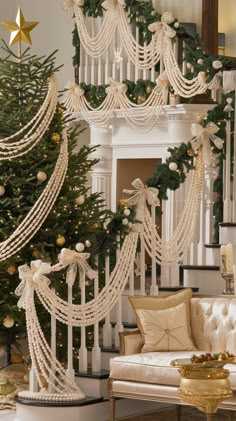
{"type": "Point", "coordinates": [53, 32]}
{"type": "Point", "coordinates": [183, 10]}
{"type": "Point", "coordinates": [227, 24]}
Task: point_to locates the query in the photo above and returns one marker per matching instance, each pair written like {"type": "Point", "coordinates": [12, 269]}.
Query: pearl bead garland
{"type": "Point", "coordinates": [39, 212]}
{"type": "Point", "coordinates": [11, 147]}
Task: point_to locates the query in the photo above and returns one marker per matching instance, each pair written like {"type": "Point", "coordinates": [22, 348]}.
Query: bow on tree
{"type": "Point", "coordinates": [140, 195]}
{"type": "Point", "coordinates": [30, 276]}
{"type": "Point", "coordinates": [202, 138]}
{"type": "Point", "coordinates": [75, 261]}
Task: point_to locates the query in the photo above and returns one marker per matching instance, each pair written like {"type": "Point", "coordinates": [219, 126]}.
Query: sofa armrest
{"type": "Point", "coordinates": [130, 342]}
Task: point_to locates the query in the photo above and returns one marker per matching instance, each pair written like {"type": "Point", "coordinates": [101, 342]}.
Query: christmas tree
{"type": "Point", "coordinates": [78, 219]}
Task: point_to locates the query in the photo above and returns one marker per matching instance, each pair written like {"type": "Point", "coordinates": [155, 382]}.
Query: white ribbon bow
{"type": "Point", "coordinates": [73, 88]}
{"type": "Point", "coordinates": [107, 4]}
{"type": "Point", "coordinates": [69, 5]}
{"type": "Point", "coordinates": [73, 259]}
{"type": "Point", "coordinates": [116, 87]}
{"type": "Point", "coordinates": [29, 277]}
{"type": "Point", "coordinates": [140, 195]}
{"type": "Point", "coordinates": [202, 136]}
{"type": "Point", "coordinates": [163, 28]}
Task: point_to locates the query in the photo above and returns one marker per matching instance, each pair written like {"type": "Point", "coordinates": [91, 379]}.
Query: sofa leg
{"type": "Point", "coordinates": [112, 408]}
{"type": "Point", "coordinates": [178, 410]}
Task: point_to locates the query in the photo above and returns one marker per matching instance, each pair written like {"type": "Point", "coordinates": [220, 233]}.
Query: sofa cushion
{"type": "Point", "coordinates": [165, 330]}
{"type": "Point", "coordinates": [154, 367]}
{"type": "Point", "coordinates": [149, 302]}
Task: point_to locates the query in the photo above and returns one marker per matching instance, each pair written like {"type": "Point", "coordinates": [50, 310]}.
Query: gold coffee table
{"type": "Point", "coordinates": [204, 385]}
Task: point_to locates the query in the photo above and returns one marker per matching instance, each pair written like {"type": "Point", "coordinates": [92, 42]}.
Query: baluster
{"type": "Point", "coordinates": [113, 63]}
{"type": "Point", "coordinates": [136, 69]}
{"type": "Point", "coordinates": [128, 62]}
{"type": "Point", "coordinates": [70, 368]}
{"type": "Point", "coordinates": [53, 340]}
{"type": "Point", "coordinates": [107, 328]}
{"type": "Point", "coordinates": [234, 158]}
{"type": "Point", "coordinates": [154, 290]}
{"type": "Point", "coordinates": [93, 66]}
{"type": "Point", "coordinates": [227, 170]}
{"type": "Point", "coordinates": [96, 351]}
{"type": "Point", "coordinates": [81, 65]}
{"type": "Point", "coordinates": [130, 313]}
{"type": "Point", "coordinates": [184, 64]}
{"type": "Point", "coordinates": [107, 66]}
{"type": "Point", "coordinates": [142, 267]}
{"type": "Point", "coordinates": [100, 72]}
{"type": "Point", "coordinates": [83, 353]}
{"type": "Point", "coordinates": [209, 223]}
{"type": "Point", "coordinates": [33, 382]}
{"type": "Point", "coordinates": [119, 325]}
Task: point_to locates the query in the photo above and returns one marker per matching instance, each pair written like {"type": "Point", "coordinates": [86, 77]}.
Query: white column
{"type": "Point", "coordinates": [96, 351]}
{"type": "Point", "coordinates": [101, 173]}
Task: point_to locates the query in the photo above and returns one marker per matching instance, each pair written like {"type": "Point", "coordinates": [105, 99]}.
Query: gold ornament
{"type": "Point", "coordinates": [141, 99]}
{"type": "Point", "coordinates": [16, 359]}
{"type": "Point", "coordinates": [8, 322]}
{"type": "Point", "coordinates": [20, 29]}
{"type": "Point", "coordinates": [55, 137]}
{"type": "Point", "coordinates": [11, 269]}
{"type": "Point", "coordinates": [6, 387]}
{"type": "Point", "coordinates": [190, 152]}
{"type": "Point", "coordinates": [60, 240]}
{"type": "Point", "coordinates": [36, 254]}
{"type": "Point", "coordinates": [123, 202]}
{"type": "Point", "coordinates": [96, 225]}
{"type": "Point", "coordinates": [148, 89]}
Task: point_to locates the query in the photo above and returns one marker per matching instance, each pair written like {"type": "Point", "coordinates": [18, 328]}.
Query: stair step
{"type": "Point", "coordinates": [206, 277]}
{"type": "Point", "coordinates": [103, 374]}
{"type": "Point", "coordinates": [89, 400]}
{"type": "Point", "coordinates": [95, 384]}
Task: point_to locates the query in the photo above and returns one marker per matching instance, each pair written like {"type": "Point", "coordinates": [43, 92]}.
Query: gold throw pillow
{"type": "Point", "coordinates": [165, 330]}
{"type": "Point", "coordinates": [149, 302]}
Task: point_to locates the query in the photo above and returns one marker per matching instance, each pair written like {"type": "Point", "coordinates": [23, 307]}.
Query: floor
{"type": "Point", "coordinates": [167, 414]}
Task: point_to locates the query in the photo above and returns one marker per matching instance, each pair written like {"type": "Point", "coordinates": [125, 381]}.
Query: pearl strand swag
{"type": "Point", "coordinates": [94, 310]}
{"type": "Point", "coordinates": [169, 253]}
{"type": "Point", "coordinates": [43, 360]}
{"type": "Point", "coordinates": [12, 147]}
{"type": "Point", "coordinates": [137, 115]}
{"type": "Point", "coordinates": [42, 207]}
{"type": "Point", "coordinates": [144, 57]}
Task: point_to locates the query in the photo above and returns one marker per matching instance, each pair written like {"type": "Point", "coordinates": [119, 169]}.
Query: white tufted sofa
{"type": "Point", "coordinates": [149, 376]}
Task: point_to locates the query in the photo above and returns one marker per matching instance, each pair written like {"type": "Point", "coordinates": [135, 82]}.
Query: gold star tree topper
{"type": "Point", "coordinates": [20, 29]}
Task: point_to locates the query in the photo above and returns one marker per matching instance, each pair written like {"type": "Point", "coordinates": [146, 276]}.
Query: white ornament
{"type": "Point", "coordinates": [200, 61]}
{"type": "Point", "coordinates": [2, 190]}
{"type": "Point", "coordinates": [188, 65]}
{"type": "Point", "coordinates": [125, 221]}
{"type": "Point", "coordinates": [176, 25]}
{"type": "Point", "coordinates": [79, 247]}
{"type": "Point", "coordinates": [173, 166]}
{"type": "Point", "coordinates": [80, 200]}
{"type": "Point", "coordinates": [216, 64]}
{"type": "Point", "coordinates": [127, 212]}
{"type": "Point", "coordinates": [42, 176]}
{"type": "Point", "coordinates": [88, 243]}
